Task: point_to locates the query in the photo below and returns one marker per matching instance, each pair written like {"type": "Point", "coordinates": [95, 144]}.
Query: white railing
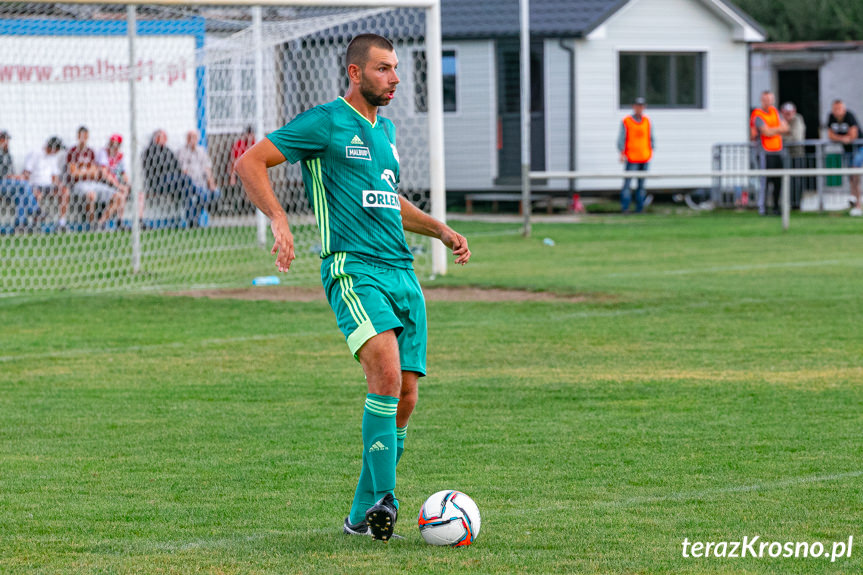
{"type": "Point", "coordinates": [786, 176]}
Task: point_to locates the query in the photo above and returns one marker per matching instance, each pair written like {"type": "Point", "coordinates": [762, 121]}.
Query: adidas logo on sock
{"type": "Point", "coordinates": [356, 141]}
{"type": "Point", "coordinates": [378, 446]}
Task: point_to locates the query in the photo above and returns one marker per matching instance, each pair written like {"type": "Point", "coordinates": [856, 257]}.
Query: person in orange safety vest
{"type": "Point", "coordinates": [635, 144]}
{"type": "Point", "coordinates": [769, 127]}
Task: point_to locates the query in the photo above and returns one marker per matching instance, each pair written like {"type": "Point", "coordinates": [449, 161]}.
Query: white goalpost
{"type": "Point", "coordinates": [165, 95]}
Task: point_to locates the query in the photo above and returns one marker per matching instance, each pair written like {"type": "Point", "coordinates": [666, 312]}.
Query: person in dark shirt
{"type": "Point", "coordinates": [15, 186]}
{"type": "Point", "coordinates": [6, 164]}
{"type": "Point", "coordinates": [164, 176]}
{"type": "Point", "coordinates": [81, 162]}
{"type": "Point", "coordinates": [842, 127]}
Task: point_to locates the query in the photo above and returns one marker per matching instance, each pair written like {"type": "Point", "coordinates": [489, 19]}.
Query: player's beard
{"type": "Point", "coordinates": [375, 98]}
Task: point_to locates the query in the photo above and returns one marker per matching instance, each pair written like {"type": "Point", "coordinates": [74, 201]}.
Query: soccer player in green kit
{"type": "Point", "coordinates": [350, 169]}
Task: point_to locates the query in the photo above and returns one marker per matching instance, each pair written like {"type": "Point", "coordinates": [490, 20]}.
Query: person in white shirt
{"type": "Point", "coordinates": [43, 169]}
{"type": "Point", "coordinates": [195, 162]}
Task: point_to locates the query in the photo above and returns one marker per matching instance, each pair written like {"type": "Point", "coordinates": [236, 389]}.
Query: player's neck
{"type": "Point", "coordinates": [361, 105]}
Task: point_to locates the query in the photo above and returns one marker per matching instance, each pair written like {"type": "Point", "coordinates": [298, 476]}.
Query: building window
{"type": "Point", "coordinates": [509, 58]}
{"type": "Point", "coordinates": [230, 93]}
{"type": "Point", "coordinates": [666, 80]}
{"type": "Point", "coordinates": [448, 66]}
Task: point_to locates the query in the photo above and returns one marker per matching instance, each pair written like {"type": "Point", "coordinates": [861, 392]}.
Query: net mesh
{"type": "Point", "coordinates": [66, 208]}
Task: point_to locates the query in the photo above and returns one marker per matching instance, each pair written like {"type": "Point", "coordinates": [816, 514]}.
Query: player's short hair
{"type": "Point", "coordinates": [358, 49]}
{"type": "Point", "coordinates": [82, 129]}
{"type": "Point", "coordinates": [837, 101]}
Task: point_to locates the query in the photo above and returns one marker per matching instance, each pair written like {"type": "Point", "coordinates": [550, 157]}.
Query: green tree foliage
{"type": "Point", "coordinates": [800, 20]}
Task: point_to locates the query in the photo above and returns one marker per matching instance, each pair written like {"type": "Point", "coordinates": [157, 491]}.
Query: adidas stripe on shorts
{"type": "Point", "coordinates": [370, 298]}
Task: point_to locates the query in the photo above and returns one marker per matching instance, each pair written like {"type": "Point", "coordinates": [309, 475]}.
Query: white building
{"type": "Point", "coordinates": [590, 59]}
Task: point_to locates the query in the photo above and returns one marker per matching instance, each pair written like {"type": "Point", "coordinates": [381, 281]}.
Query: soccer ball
{"type": "Point", "coordinates": [449, 518]}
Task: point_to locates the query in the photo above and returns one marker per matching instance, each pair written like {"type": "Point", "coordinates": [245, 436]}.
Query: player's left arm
{"type": "Point", "coordinates": [417, 221]}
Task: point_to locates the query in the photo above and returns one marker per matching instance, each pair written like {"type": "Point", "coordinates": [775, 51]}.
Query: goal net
{"type": "Point", "coordinates": [117, 144]}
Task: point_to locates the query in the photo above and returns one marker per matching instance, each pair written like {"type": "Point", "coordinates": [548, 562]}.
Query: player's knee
{"type": "Point", "coordinates": [389, 383]}
{"type": "Point", "coordinates": [384, 379]}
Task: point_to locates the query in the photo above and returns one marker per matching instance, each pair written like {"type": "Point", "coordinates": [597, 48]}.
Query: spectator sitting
{"type": "Point", "coordinates": [196, 164]}
{"type": "Point", "coordinates": [44, 170]}
{"type": "Point", "coordinates": [83, 175]}
{"type": "Point", "coordinates": [15, 186]}
{"type": "Point", "coordinates": [114, 186]}
{"type": "Point", "coordinates": [164, 175]}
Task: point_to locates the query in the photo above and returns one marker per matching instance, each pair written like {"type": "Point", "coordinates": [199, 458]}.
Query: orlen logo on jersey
{"type": "Point", "coordinates": [378, 199]}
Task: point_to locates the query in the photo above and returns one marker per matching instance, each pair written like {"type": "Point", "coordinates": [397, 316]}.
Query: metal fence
{"type": "Point", "coordinates": [123, 120]}
{"type": "Point", "coordinates": [807, 193]}
{"type": "Point", "coordinates": [744, 174]}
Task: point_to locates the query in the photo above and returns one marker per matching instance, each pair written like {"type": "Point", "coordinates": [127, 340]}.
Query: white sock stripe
{"type": "Point", "coordinates": [381, 410]}
{"type": "Point", "coordinates": [381, 404]}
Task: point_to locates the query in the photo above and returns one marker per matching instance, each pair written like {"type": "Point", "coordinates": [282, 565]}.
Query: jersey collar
{"type": "Point", "coordinates": [373, 124]}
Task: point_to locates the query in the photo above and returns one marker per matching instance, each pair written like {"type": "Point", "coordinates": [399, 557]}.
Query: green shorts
{"type": "Point", "coordinates": [369, 299]}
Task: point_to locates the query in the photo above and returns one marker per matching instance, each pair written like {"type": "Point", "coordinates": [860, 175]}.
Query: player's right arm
{"type": "Point", "coordinates": [305, 135]}
{"type": "Point", "coordinates": [252, 170]}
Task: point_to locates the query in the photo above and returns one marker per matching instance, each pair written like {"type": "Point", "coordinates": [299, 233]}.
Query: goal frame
{"type": "Point", "coordinates": [437, 191]}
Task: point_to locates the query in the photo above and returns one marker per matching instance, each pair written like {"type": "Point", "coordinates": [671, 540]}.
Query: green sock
{"type": "Point", "coordinates": [363, 495]}
{"type": "Point", "coordinates": [378, 475]}
{"type": "Point", "coordinates": [401, 433]}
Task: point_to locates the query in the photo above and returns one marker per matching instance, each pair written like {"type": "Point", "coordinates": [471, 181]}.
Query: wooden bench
{"type": "Point", "coordinates": [495, 198]}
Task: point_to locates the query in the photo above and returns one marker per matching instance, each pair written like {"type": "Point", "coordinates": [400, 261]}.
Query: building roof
{"type": "Point", "coordinates": [495, 18]}
{"type": "Point", "coordinates": [810, 46]}
{"type": "Point", "coordinates": [552, 18]}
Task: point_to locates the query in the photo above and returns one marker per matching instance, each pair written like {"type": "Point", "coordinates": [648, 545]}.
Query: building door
{"type": "Point", "coordinates": [801, 87]}
{"type": "Point", "coordinates": [509, 111]}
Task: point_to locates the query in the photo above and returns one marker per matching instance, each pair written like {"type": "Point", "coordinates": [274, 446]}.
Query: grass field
{"type": "Point", "coordinates": [708, 385]}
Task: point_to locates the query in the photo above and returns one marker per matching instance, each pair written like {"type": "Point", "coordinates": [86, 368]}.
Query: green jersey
{"type": "Point", "coordinates": [351, 174]}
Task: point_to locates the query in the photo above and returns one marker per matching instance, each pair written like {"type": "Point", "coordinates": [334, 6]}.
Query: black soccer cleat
{"type": "Point", "coordinates": [361, 528]}
{"type": "Point", "coordinates": [381, 517]}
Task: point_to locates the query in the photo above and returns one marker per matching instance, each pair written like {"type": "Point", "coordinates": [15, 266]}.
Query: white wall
{"type": "Point", "coordinates": [39, 99]}
{"type": "Point", "coordinates": [557, 94]}
{"type": "Point", "coordinates": [762, 76]}
{"type": "Point", "coordinates": [683, 137]}
{"type": "Point", "coordinates": [470, 133]}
